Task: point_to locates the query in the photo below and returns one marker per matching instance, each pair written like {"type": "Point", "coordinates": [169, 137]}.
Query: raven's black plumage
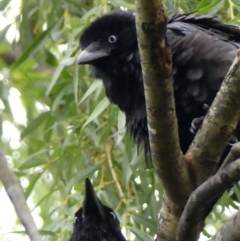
{"type": "Point", "coordinates": [203, 49]}
{"type": "Point", "coordinates": [95, 221]}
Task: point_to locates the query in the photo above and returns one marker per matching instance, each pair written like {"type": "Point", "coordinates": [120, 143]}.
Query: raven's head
{"type": "Point", "coordinates": [109, 37]}
{"type": "Point", "coordinates": [95, 221]}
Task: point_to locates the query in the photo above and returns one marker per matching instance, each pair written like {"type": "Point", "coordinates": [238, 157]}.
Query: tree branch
{"type": "Point", "coordinates": [230, 231]}
{"type": "Point", "coordinates": [162, 123]}
{"type": "Point", "coordinates": [233, 155]}
{"type": "Point", "coordinates": [203, 199]}
{"type": "Point", "coordinates": [222, 118]}
{"type": "Point", "coordinates": [151, 22]}
{"type": "Point", "coordinates": [14, 190]}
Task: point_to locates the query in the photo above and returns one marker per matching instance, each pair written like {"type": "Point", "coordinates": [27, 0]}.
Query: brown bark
{"type": "Point", "coordinates": [156, 64]}
{"type": "Point", "coordinates": [209, 143]}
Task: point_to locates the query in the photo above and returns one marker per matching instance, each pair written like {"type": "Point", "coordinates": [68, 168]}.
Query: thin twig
{"type": "Point", "coordinates": [115, 178]}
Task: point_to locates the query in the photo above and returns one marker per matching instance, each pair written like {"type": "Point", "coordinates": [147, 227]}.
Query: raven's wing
{"type": "Point", "coordinates": [201, 59]}
{"type": "Point", "coordinates": [203, 50]}
{"type": "Point", "coordinates": [210, 23]}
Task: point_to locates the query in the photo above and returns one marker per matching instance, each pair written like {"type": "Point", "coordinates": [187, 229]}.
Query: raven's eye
{"type": "Point", "coordinates": [112, 39]}
{"type": "Point", "coordinates": [76, 220]}
{"type": "Point", "coordinates": [113, 215]}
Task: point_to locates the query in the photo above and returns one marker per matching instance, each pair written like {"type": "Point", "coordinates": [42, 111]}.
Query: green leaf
{"type": "Point", "coordinates": [4, 31]}
{"type": "Point", "coordinates": [237, 191]}
{"type": "Point", "coordinates": [211, 8]}
{"type": "Point", "coordinates": [81, 176]}
{"type": "Point", "coordinates": [75, 84]}
{"type": "Point", "coordinates": [68, 61]}
{"type": "Point", "coordinates": [103, 104]}
{"type": "Point", "coordinates": [146, 222]}
{"type": "Point", "coordinates": [3, 4]}
{"type": "Point", "coordinates": [121, 126]}
{"type": "Point", "coordinates": [32, 181]}
{"type": "Point", "coordinates": [47, 232]}
{"type": "Point", "coordinates": [34, 160]}
{"type": "Point", "coordinates": [94, 86]}
{"type": "Point", "coordinates": [58, 72]}
{"type": "Point", "coordinates": [34, 124]}
{"type": "Point", "coordinates": [45, 197]}
{"type": "Point", "coordinates": [54, 78]}
{"type": "Point", "coordinates": [33, 47]}
{"type": "Point", "coordinates": [140, 235]}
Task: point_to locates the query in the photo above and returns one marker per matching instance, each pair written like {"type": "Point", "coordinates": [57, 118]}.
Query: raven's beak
{"type": "Point", "coordinates": [91, 203]}
{"type": "Point", "coordinates": [93, 52]}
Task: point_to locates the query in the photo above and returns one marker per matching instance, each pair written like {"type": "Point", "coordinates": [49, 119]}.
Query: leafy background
{"type": "Point", "coordinates": [57, 127]}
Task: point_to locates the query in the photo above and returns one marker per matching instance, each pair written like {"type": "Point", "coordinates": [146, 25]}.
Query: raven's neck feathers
{"type": "Point", "coordinates": [124, 87]}
{"type": "Point", "coordinates": [120, 78]}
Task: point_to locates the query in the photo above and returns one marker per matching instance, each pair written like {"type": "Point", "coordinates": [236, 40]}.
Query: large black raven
{"type": "Point", "coordinates": [202, 47]}
{"type": "Point", "coordinates": [95, 221]}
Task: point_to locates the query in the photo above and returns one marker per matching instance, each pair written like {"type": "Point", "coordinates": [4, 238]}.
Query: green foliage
{"type": "Point", "coordinates": [71, 130]}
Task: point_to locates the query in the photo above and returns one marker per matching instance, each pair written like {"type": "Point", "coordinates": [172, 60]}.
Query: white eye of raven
{"type": "Point", "coordinates": [113, 214]}
{"type": "Point", "coordinates": [76, 220]}
{"type": "Point", "coordinates": [112, 39]}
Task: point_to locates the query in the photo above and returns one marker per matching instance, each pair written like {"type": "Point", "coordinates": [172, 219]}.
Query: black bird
{"type": "Point", "coordinates": [202, 47]}
{"type": "Point", "coordinates": [95, 221]}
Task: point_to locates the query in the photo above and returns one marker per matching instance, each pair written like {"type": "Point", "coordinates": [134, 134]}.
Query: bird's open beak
{"type": "Point", "coordinates": [93, 52]}
{"type": "Point", "coordinates": [91, 203]}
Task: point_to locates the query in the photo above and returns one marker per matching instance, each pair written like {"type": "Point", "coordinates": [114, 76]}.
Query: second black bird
{"type": "Point", "coordinates": [95, 221]}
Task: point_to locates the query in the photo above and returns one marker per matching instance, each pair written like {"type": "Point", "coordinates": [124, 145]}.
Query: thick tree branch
{"type": "Point", "coordinates": [156, 64]}
{"type": "Point", "coordinates": [230, 231]}
{"type": "Point", "coordinates": [16, 195]}
{"type": "Point", "coordinates": [202, 200]}
{"type": "Point", "coordinates": [162, 122]}
{"type": "Point", "coordinates": [218, 125]}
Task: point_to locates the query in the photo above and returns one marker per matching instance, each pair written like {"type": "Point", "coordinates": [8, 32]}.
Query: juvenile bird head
{"type": "Point", "coordinates": [95, 221]}
{"type": "Point", "coordinates": [109, 37]}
